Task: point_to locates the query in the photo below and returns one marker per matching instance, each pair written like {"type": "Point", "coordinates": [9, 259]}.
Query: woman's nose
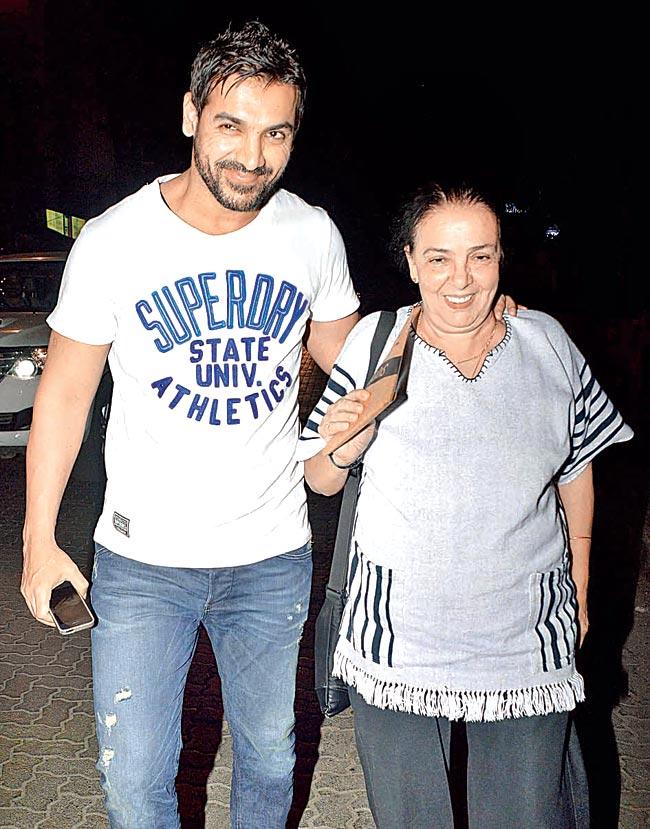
{"type": "Point", "coordinates": [461, 275]}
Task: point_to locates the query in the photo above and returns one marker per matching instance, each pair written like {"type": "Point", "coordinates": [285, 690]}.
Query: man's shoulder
{"type": "Point", "coordinates": [120, 217]}
{"type": "Point", "coordinates": [290, 207]}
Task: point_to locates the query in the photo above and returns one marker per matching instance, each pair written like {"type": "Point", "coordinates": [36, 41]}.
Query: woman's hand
{"type": "Point", "coordinates": [583, 617]}
{"type": "Point", "coordinates": [339, 417]}
{"type": "Point", "coordinates": [326, 472]}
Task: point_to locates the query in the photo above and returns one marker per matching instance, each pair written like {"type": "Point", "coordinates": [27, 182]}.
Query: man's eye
{"type": "Point", "coordinates": [277, 135]}
{"type": "Point", "coordinates": [483, 257]}
{"type": "Point", "coordinates": [228, 127]}
{"type": "Point", "coordinates": [437, 260]}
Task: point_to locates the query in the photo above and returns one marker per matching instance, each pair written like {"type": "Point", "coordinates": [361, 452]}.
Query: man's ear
{"type": "Point", "coordinates": [190, 116]}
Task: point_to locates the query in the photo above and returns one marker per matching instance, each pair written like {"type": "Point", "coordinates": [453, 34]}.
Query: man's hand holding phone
{"type": "Point", "coordinates": [44, 567]}
{"type": "Point", "coordinates": [68, 610]}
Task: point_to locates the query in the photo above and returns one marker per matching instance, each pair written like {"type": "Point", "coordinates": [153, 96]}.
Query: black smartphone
{"type": "Point", "coordinates": [69, 610]}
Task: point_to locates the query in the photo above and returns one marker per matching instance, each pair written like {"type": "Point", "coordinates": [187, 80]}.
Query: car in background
{"type": "Point", "coordinates": [29, 287]}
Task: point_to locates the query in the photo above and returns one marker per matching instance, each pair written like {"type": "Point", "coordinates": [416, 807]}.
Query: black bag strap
{"type": "Point", "coordinates": [339, 569]}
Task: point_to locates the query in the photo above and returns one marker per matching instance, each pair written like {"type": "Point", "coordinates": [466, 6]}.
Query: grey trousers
{"type": "Point", "coordinates": [524, 773]}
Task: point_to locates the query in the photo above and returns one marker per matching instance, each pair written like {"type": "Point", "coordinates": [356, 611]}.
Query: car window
{"type": "Point", "coordinates": [29, 286]}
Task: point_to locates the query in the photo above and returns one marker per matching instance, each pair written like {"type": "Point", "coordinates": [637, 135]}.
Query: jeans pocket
{"type": "Point", "coordinates": [100, 553]}
{"type": "Point", "coordinates": [553, 618]}
{"type": "Point", "coordinates": [301, 554]}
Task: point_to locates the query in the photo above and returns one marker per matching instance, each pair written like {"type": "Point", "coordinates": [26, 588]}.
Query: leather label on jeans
{"type": "Point", "coordinates": [121, 524]}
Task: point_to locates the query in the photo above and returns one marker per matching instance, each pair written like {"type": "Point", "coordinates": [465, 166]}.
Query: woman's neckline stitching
{"type": "Point", "coordinates": [488, 357]}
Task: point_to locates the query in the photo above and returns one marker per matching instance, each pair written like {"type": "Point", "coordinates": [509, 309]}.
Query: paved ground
{"type": "Point", "coordinates": [47, 745]}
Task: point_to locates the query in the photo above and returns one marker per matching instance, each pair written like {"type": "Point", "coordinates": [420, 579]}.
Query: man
{"type": "Point", "coordinates": [201, 286]}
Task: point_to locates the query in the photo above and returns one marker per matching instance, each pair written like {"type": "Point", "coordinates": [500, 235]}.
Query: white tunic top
{"type": "Point", "coordinates": [461, 602]}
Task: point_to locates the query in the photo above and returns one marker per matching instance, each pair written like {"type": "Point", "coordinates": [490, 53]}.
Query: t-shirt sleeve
{"type": "Point", "coordinates": [335, 297]}
{"type": "Point", "coordinates": [85, 310]}
{"type": "Point", "coordinates": [348, 373]}
{"type": "Point", "coordinates": [596, 422]}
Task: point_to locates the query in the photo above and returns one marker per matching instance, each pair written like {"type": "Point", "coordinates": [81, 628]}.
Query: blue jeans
{"type": "Point", "coordinates": [148, 627]}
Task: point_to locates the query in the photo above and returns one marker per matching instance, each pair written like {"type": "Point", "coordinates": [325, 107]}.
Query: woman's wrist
{"type": "Point", "coordinates": [344, 466]}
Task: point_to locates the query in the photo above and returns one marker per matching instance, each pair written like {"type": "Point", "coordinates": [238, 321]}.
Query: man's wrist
{"type": "Point", "coordinates": [37, 537]}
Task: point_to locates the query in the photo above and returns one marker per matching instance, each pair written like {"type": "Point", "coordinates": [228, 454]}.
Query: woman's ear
{"type": "Point", "coordinates": [413, 271]}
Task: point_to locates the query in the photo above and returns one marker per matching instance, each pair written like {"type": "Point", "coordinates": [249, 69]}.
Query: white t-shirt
{"type": "Point", "coordinates": [206, 338]}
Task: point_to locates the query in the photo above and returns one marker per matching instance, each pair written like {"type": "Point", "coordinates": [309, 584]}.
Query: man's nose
{"type": "Point", "coordinates": [251, 152]}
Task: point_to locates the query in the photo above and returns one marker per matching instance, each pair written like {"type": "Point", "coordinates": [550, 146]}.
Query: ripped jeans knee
{"type": "Point", "coordinates": [137, 764]}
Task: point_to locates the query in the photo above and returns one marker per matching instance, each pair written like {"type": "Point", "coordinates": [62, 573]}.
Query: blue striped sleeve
{"type": "Point", "coordinates": [340, 383]}
{"type": "Point", "coordinates": [597, 423]}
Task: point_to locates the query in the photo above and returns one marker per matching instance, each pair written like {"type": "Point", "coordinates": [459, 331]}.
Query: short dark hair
{"type": "Point", "coordinates": [427, 199]}
{"type": "Point", "coordinates": [252, 52]}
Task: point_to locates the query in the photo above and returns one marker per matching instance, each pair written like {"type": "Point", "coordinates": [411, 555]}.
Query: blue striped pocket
{"type": "Point", "coordinates": [555, 610]}
{"type": "Point", "coordinates": [367, 621]}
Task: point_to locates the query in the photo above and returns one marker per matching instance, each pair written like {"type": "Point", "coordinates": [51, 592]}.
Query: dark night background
{"type": "Point", "coordinates": [542, 117]}
{"type": "Point", "coordinates": [539, 110]}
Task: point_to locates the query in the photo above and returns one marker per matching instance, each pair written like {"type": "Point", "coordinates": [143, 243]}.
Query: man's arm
{"type": "Point", "coordinates": [70, 378]}
{"type": "Point", "coordinates": [325, 339]}
{"type": "Point", "coordinates": [578, 502]}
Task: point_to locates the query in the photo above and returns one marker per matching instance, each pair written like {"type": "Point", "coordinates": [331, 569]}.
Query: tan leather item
{"type": "Point", "coordinates": [387, 387]}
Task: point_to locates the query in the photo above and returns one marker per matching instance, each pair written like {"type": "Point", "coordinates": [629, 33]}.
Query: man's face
{"type": "Point", "coordinates": [242, 140]}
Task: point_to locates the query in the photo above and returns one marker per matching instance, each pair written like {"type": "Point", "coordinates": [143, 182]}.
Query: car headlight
{"type": "Point", "coordinates": [30, 364]}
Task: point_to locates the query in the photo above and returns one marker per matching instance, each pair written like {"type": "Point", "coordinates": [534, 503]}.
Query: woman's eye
{"type": "Point", "coordinates": [437, 260]}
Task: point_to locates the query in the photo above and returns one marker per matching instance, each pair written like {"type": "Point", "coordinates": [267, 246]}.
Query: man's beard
{"type": "Point", "coordinates": [243, 198]}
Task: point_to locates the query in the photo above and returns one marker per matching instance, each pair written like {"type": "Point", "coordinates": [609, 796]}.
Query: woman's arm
{"type": "Point", "coordinates": [327, 475]}
{"type": "Point", "coordinates": [578, 502]}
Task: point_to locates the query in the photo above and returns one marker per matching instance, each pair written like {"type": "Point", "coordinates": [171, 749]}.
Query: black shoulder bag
{"type": "Point", "coordinates": [332, 692]}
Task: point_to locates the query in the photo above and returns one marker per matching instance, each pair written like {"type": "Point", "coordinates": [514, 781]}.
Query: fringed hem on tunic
{"type": "Point", "coordinates": [471, 706]}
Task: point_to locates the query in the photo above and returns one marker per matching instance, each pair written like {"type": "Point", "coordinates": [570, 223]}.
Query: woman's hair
{"type": "Point", "coordinates": [252, 52]}
{"type": "Point", "coordinates": [427, 199]}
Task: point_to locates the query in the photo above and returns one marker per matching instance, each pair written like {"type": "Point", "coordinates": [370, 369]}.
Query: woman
{"type": "Point", "coordinates": [469, 568]}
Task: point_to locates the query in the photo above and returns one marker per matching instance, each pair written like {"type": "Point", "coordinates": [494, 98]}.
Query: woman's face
{"type": "Point", "coordinates": [455, 262]}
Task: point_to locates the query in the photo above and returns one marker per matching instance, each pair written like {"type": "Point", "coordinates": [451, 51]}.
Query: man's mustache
{"type": "Point", "coordinates": [239, 168]}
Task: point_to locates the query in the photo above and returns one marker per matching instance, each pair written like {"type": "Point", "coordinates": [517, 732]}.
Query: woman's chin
{"type": "Point", "coordinates": [458, 319]}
